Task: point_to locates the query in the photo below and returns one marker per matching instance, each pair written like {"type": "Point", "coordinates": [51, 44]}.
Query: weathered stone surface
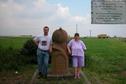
{"type": "Point", "coordinates": [60, 36]}
{"type": "Point", "coordinates": [59, 54]}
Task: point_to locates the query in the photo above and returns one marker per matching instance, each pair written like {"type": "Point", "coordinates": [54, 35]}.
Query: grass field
{"type": "Point", "coordinates": [105, 58]}
{"type": "Point", "coordinates": [10, 56]}
{"type": "Point", "coordinates": [13, 42]}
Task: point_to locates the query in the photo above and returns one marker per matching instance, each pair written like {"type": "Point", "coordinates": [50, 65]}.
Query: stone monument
{"type": "Point", "coordinates": [59, 55]}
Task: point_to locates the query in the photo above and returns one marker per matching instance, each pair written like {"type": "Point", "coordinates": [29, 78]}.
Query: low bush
{"type": "Point", "coordinates": [29, 50]}
{"type": "Point", "coordinates": [11, 59]}
{"type": "Point", "coordinates": [14, 59]}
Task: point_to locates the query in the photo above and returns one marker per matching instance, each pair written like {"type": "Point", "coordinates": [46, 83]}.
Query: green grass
{"type": "Point", "coordinates": [106, 59]}
{"type": "Point", "coordinates": [10, 53]}
{"type": "Point", "coordinates": [23, 76]}
{"type": "Point", "coordinates": [13, 42]}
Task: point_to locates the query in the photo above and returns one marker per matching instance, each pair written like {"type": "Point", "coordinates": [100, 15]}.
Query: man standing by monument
{"type": "Point", "coordinates": [44, 47]}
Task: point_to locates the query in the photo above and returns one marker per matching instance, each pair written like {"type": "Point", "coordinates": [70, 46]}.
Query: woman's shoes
{"type": "Point", "coordinates": [77, 76]}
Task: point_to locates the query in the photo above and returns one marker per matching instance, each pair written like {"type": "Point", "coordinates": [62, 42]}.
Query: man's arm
{"type": "Point", "coordinates": [36, 42]}
{"type": "Point", "coordinates": [50, 48]}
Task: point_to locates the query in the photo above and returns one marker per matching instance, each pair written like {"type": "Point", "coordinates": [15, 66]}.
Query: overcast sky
{"type": "Point", "coordinates": [27, 17]}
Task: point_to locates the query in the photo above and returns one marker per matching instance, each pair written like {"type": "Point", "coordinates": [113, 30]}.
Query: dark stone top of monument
{"type": "Point", "coordinates": [59, 36]}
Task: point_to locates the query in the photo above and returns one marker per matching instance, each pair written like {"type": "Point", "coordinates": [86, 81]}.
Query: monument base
{"type": "Point", "coordinates": [67, 75]}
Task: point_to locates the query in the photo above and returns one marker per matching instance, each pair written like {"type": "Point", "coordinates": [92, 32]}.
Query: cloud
{"type": "Point", "coordinates": [11, 6]}
{"type": "Point", "coordinates": [62, 11]}
{"type": "Point", "coordinates": [27, 17]}
{"type": "Point", "coordinates": [39, 3]}
{"type": "Point", "coordinates": [9, 9]}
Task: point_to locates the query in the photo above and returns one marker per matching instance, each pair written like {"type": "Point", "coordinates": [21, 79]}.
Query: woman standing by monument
{"type": "Point", "coordinates": [77, 48]}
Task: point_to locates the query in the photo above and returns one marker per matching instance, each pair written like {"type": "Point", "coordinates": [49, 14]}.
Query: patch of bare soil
{"type": "Point", "coordinates": [123, 73]}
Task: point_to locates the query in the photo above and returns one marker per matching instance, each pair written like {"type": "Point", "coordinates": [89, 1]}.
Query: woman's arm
{"type": "Point", "coordinates": [69, 50]}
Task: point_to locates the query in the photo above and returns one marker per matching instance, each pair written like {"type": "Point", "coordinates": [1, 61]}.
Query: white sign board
{"type": "Point", "coordinates": [108, 11]}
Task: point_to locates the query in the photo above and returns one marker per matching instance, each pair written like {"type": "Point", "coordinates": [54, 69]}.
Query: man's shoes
{"type": "Point", "coordinates": [42, 76]}
{"type": "Point", "coordinates": [39, 73]}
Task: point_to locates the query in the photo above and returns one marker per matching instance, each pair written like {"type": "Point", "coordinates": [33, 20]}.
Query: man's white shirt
{"type": "Point", "coordinates": [44, 42]}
